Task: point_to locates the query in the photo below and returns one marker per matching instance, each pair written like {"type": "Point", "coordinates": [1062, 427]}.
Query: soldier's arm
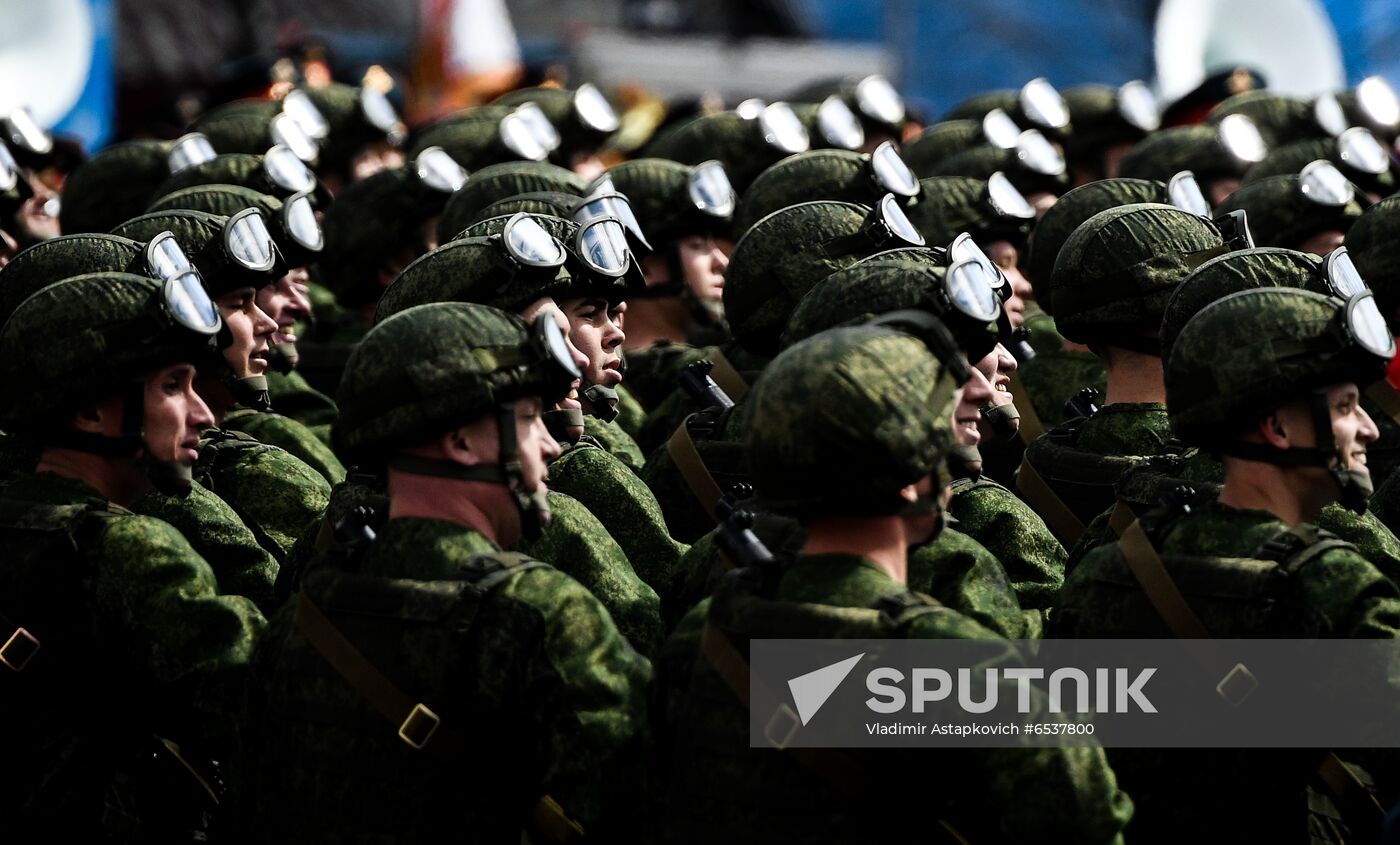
{"type": "Point", "coordinates": [960, 573]}
{"type": "Point", "coordinates": [298, 439]}
{"type": "Point", "coordinates": [157, 602]}
{"type": "Point", "coordinates": [586, 699]}
{"type": "Point", "coordinates": [1341, 594]}
{"type": "Point", "coordinates": [271, 488]}
{"type": "Point", "coordinates": [1033, 559]}
{"type": "Point", "coordinates": [1371, 537]}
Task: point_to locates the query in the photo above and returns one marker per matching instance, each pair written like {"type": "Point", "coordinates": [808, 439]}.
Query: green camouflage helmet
{"type": "Point", "coordinates": [745, 146]}
{"type": "Point", "coordinates": [112, 186]}
{"type": "Point", "coordinates": [98, 332]}
{"type": "Point", "coordinates": [584, 118]}
{"type": "Point", "coordinates": [250, 171]}
{"type": "Point", "coordinates": [841, 421]}
{"type": "Point", "coordinates": [1242, 356]}
{"type": "Point", "coordinates": [1369, 169]}
{"type": "Point", "coordinates": [830, 124]}
{"type": "Point", "coordinates": [477, 269]}
{"type": "Point", "coordinates": [890, 281]}
{"type": "Point", "coordinates": [1372, 245]}
{"type": "Point", "coordinates": [498, 181]}
{"type": "Point", "coordinates": [426, 370]}
{"type": "Point", "coordinates": [61, 258]}
{"type": "Point", "coordinates": [781, 258]}
{"type": "Point", "coordinates": [940, 141]}
{"type": "Point", "coordinates": [352, 123]}
{"type": "Point", "coordinates": [660, 193]}
{"type": "Point", "coordinates": [203, 238]}
{"type": "Point", "coordinates": [1283, 213]}
{"type": "Point", "coordinates": [474, 139]}
{"type": "Point", "coordinates": [369, 223]}
{"type": "Point", "coordinates": [538, 203]}
{"type": "Point", "coordinates": [1066, 215]}
{"type": "Point", "coordinates": [243, 126]}
{"type": "Point", "coordinates": [1199, 149]}
{"type": "Point", "coordinates": [981, 161]}
{"type": "Point", "coordinates": [1115, 272]}
{"type": "Point", "coordinates": [1036, 105]}
{"type": "Point", "coordinates": [1246, 269]}
{"type": "Point", "coordinates": [825, 175]}
{"type": "Point", "coordinates": [583, 280]}
{"type": "Point", "coordinates": [1103, 117]}
{"type": "Point", "coordinates": [1281, 120]}
{"type": "Point", "coordinates": [228, 200]}
{"type": "Point", "coordinates": [951, 205]}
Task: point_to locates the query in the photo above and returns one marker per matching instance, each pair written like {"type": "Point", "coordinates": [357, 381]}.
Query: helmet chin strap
{"type": "Point", "coordinates": [283, 357]}
{"type": "Point", "coordinates": [565, 424]}
{"type": "Point", "coordinates": [250, 392]}
{"type": "Point", "coordinates": [1355, 488]}
{"type": "Point", "coordinates": [604, 401]}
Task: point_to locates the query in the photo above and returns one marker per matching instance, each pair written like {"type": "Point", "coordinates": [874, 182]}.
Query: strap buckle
{"type": "Point", "coordinates": [19, 649]}
{"type": "Point", "coordinates": [419, 726]}
{"type": "Point", "coordinates": [783, 712]}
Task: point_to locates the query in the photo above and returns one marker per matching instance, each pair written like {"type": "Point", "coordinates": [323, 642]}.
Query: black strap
{"type": "Point", "coordinates": [439, 468]}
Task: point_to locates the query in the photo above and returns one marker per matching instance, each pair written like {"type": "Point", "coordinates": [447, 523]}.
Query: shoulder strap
{"type": "Point", "coordinates": [727, 377]}
{"type": "Point", "coordinates": [692, 468]}
{"type": "Point", "coordinates": [1057, 515]}
{"type": "Point", "coordinates": [1157, 583]}
{"type": "Point", "coordinates": [1031, 426]}
{"type": "Point", "coordinates": [1121, 517]}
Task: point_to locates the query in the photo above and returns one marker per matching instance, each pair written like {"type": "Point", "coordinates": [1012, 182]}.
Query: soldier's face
{"type": "Point", "coordinates": [537, 448]}
{"type": "Point", "coordinates": [594, 328]}
{"type": "Point", "coordinates": [1008, 259]}
{"type": "Point", "coordinates": [703, 262]}
{"type": "Point", "coordinates": [967, 413]}
{"type": "Point", "coordinates": [252, 332]}
{"type": "Point", "coordinates": [997, 368]}
{"type": "Point", "coordinates": [547, 305]}
{"type": "Point", "coordinates": [1322, 243]}
{"type": "Point", "coordinates": [285, 303]}
{"type": "Point", "coordinates": [174, 415]}
{"type": "Point", "coordinates": [1352, 428]}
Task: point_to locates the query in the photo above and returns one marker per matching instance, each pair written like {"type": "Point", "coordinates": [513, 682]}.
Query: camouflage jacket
{"type": "Point", "coordinates": [242, 567]}
{"type": "Point", "coordinates": [957, 571]}
{"type": "Point", "coordinates": [616, 441]}
{"type": "Point", "coordinates": [630, 415]}
{"type": "Point", "coordinates": [291, 435]}
{"type": "Point", "coordinates": [652, 371]}
{"type": "Point", "coordinates": [293, 397]}
{"type": "Point", "coordinates": [1051, 378]}
{"type": "Point", "coordinates": [1033, 559]}
{"type": "Point", "coordinates": [988, 795]}
{"type": "Point", "coordinates": [135, 641]}
{"type": "Point", "coordinates": [277, 495]}
{"type": "Point", "coordinates": [1214, 556]}
{"type": "Point", "coordinates": [516, 658]}
{"type": "Point", "coordinates": [625, 507]}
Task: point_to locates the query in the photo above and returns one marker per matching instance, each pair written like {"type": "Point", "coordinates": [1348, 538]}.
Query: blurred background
{"type": "Point", "coordinates": [104, 70]}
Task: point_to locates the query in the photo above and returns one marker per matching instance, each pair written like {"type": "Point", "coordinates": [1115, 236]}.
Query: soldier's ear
{"type": "Point", "coordinates": [104, 417]}
{"type": "Point", "coordinates": [457, 445]}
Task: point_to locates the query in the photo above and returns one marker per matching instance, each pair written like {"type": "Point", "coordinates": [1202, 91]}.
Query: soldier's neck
{"type": "Point", "coordinates": [1134, 377]}
{"type": "Point", "coordinates": [1251, 485]}
{"type": "Point", "coordinates": [652, 320]}
{"type": "Point", "coordinates": [879, 539]}
{"type": "Point", "coordinates": [117, 479]}
{"type": "Point", "coordinates": [431, 497]}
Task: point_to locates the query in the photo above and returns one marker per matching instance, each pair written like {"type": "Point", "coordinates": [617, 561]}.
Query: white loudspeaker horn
{"type": "Point", "coordinates": [1291, 42]}
{"type": "Point", "coordinates": [45, 54]}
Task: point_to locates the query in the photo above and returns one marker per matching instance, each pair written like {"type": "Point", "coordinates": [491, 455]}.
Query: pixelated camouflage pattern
{"type": "Point", "coordinates": [112, 186]}
{"type": "Point", "coordinates": [888, 281]}
{"type": "Point", "coordinates": [286, 433]}
{"type": "Point", "coordinates": [498, 181]}
{"type": "Point", "coordinates": [1385, 502]}
{"type": "Point", "coordinates": [1240, 357]}
{"type": "Point", "coordinates": [624, 505]}
{"type": "Point", "coordinates": [349, 130]}
{"type": "Point", "coordinates": [201, 235]}
{"type": "Point", "coordinates": [615, 441]}
{"type": "Point", "coordinates": [532, 672]}
{"type": "Point", "coordinates": [1097, 120]}
{"type": "Point", "coordinates": [217, 533]}
{"type": "Point", "coordinates": [1070, 211]}
{"type": "Point", "coordinates": [663, 419]}
{"type": "Point", "coordinates": [1280, 215]}
{"type": "Point", "coordinates": [1292, 158]}
{"type": "Point", "coordinates": [778, 261]}
{"type": "Point", "coordinates": [276, 495]}
{"type": "Point", "coordinates": [844, 419]}
{"type": "Point", "coordinates": [840, 175]}
{"type": "Point", "coordinates": [659, 192]}
{"type": "Point", "coordinates": [726, 137]}
{"type": "Point", "coordinates": [652, 371]}
{"type": "Point", "coordinates": [420, 371]}
{"type": "Point", "coordinates": [471, 136]}
{"type": "Point", "coordinates": [960, 573]}
{"type": "Point", "coordinates": [981, 161]}
{"type": "Point", "coordinates": [987, 795]}
{"type": "Point", "coordinates": [576, 543]}
{"type": "Point", "coordinates": [242, 126]}
{"type": "Point", "coordinates": [1126, 428]}
{"type": "Point", "coordinates": [1031, 557]}
{"type": "Point", "coordinates": [293, 397]}
{"type": "Point", "coordinates": [539, 203]}
{"type": "Point", "coordinates": [244, 169]}
{"type": "Point", "coordinates": [1117, 269]}
{"type": "Point", "coordinates": [371, 220]}
{"type": "Point", "coordinates": [1040, 326]}
{"type": "Point", "coordinates": [951, 205]}
{"type": "Point", "coordinates": [135, 640]}
{"type": "Point", "coordinates": [73, 322]}
{"type": "Point", "coordinates": [939, 141]}
{"type": "Point", "coordinates": [1239, 795]}
{"type": "Point", "coordinates": [515, 294]}
{"type": "Point", "coordinates": [1053, 377]}
{"type": "Point", "coordinates": [686, 520]}
{"type": "Point", "coordinates": [1371, 244]}
{"type": "Point", "coordinates": [1280, 119]}
{"type": "Point", "coordinates": [470, 270]}
{"type": "Point", "coordinates": [1167, 152]}
{"type": "Point", "coordinates": [630, 416]}
{"type": "Point", "coordinates": [64, 257]}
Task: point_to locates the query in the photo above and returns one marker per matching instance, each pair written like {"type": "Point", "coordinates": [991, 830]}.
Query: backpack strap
{"type": "Point", "coordinates": [692, 468]}
{"type": "Point", "coordinates": [1031, 425]}
{"type": "Point", "coordinates": [1057, 515]}
{"type": "Point", "coordinates": [727, 376]}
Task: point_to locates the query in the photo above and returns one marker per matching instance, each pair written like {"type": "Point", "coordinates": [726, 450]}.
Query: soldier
{"type": "Point", "coordinates": [363, 132]}
{"type": "Point", "coordinates": [847, 433]}
{"type": "Point", "coordinates": [1107, 122]}
{"type": "Point", "coordinates": [1111, 282]}
{"type": "Point", "coordinates": [1269, 380]}
{"type": "Point", "coordinates": [497, 182]}
{"type": "Point", "coordinates": [1361, 158]}
{"type": "Point", "coordinates": [1309, 211]}
{"type": "Point", "coordinates": [745, 143]}
{"type": "Point", "coordinates": [121, 658]}
{"type": "Point", "coordinates": [585, 120]}
{"type": "Point", "coordinates": [112, 186]}
{"type": "Point", "coordinates": [828, 175]}
{"type": "Point", "coordinates": [1218, 155]}
{"type": "Point", "coordinates": [516, 702]}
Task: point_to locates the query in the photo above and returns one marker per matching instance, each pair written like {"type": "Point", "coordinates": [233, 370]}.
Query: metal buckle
{"type": "Point", "coordinates": [412, 730]}
{"type": "Point", "coordinates": [19, 649]}
{"type": "Point", "coordinates": [782, 712]}
{"type": "Point", "coordinates": [1237, 685]}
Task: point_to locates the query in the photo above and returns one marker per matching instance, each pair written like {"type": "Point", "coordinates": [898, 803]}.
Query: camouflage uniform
{"type": "Point", "coordinates": [296, 438]}
{"type": "Point", "coordinates": [615, 441]}
{"type": "Point", "coordinates": [1032, 559]}
{"type": "Point", "coordinates": [294, 397]}
{"type": "Point", "coordinates": [1370, 243]}
{"type": "Point", "coordinates": [745, 147]}
{"type": "Point", "coordinates": [1281, 214]}
{"type": "Point", "coordinates": [480, 637]}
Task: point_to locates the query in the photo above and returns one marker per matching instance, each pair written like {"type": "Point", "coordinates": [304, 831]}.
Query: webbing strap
{"type": "Point", "coordinates": [1055, 512]}
{"type": "Point", "coordinates": [692, 468]}
{"type": "Point", "coordinates": [1386, 397]}
{"type": "Point", "coordinates": [1031, 426]}
{"type": "Point", "coordinates": [727, 377]}
{"type": "Point", "coordinates": [1121, 517]}
{"type": "Point", "coordinates": [419, 726]}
